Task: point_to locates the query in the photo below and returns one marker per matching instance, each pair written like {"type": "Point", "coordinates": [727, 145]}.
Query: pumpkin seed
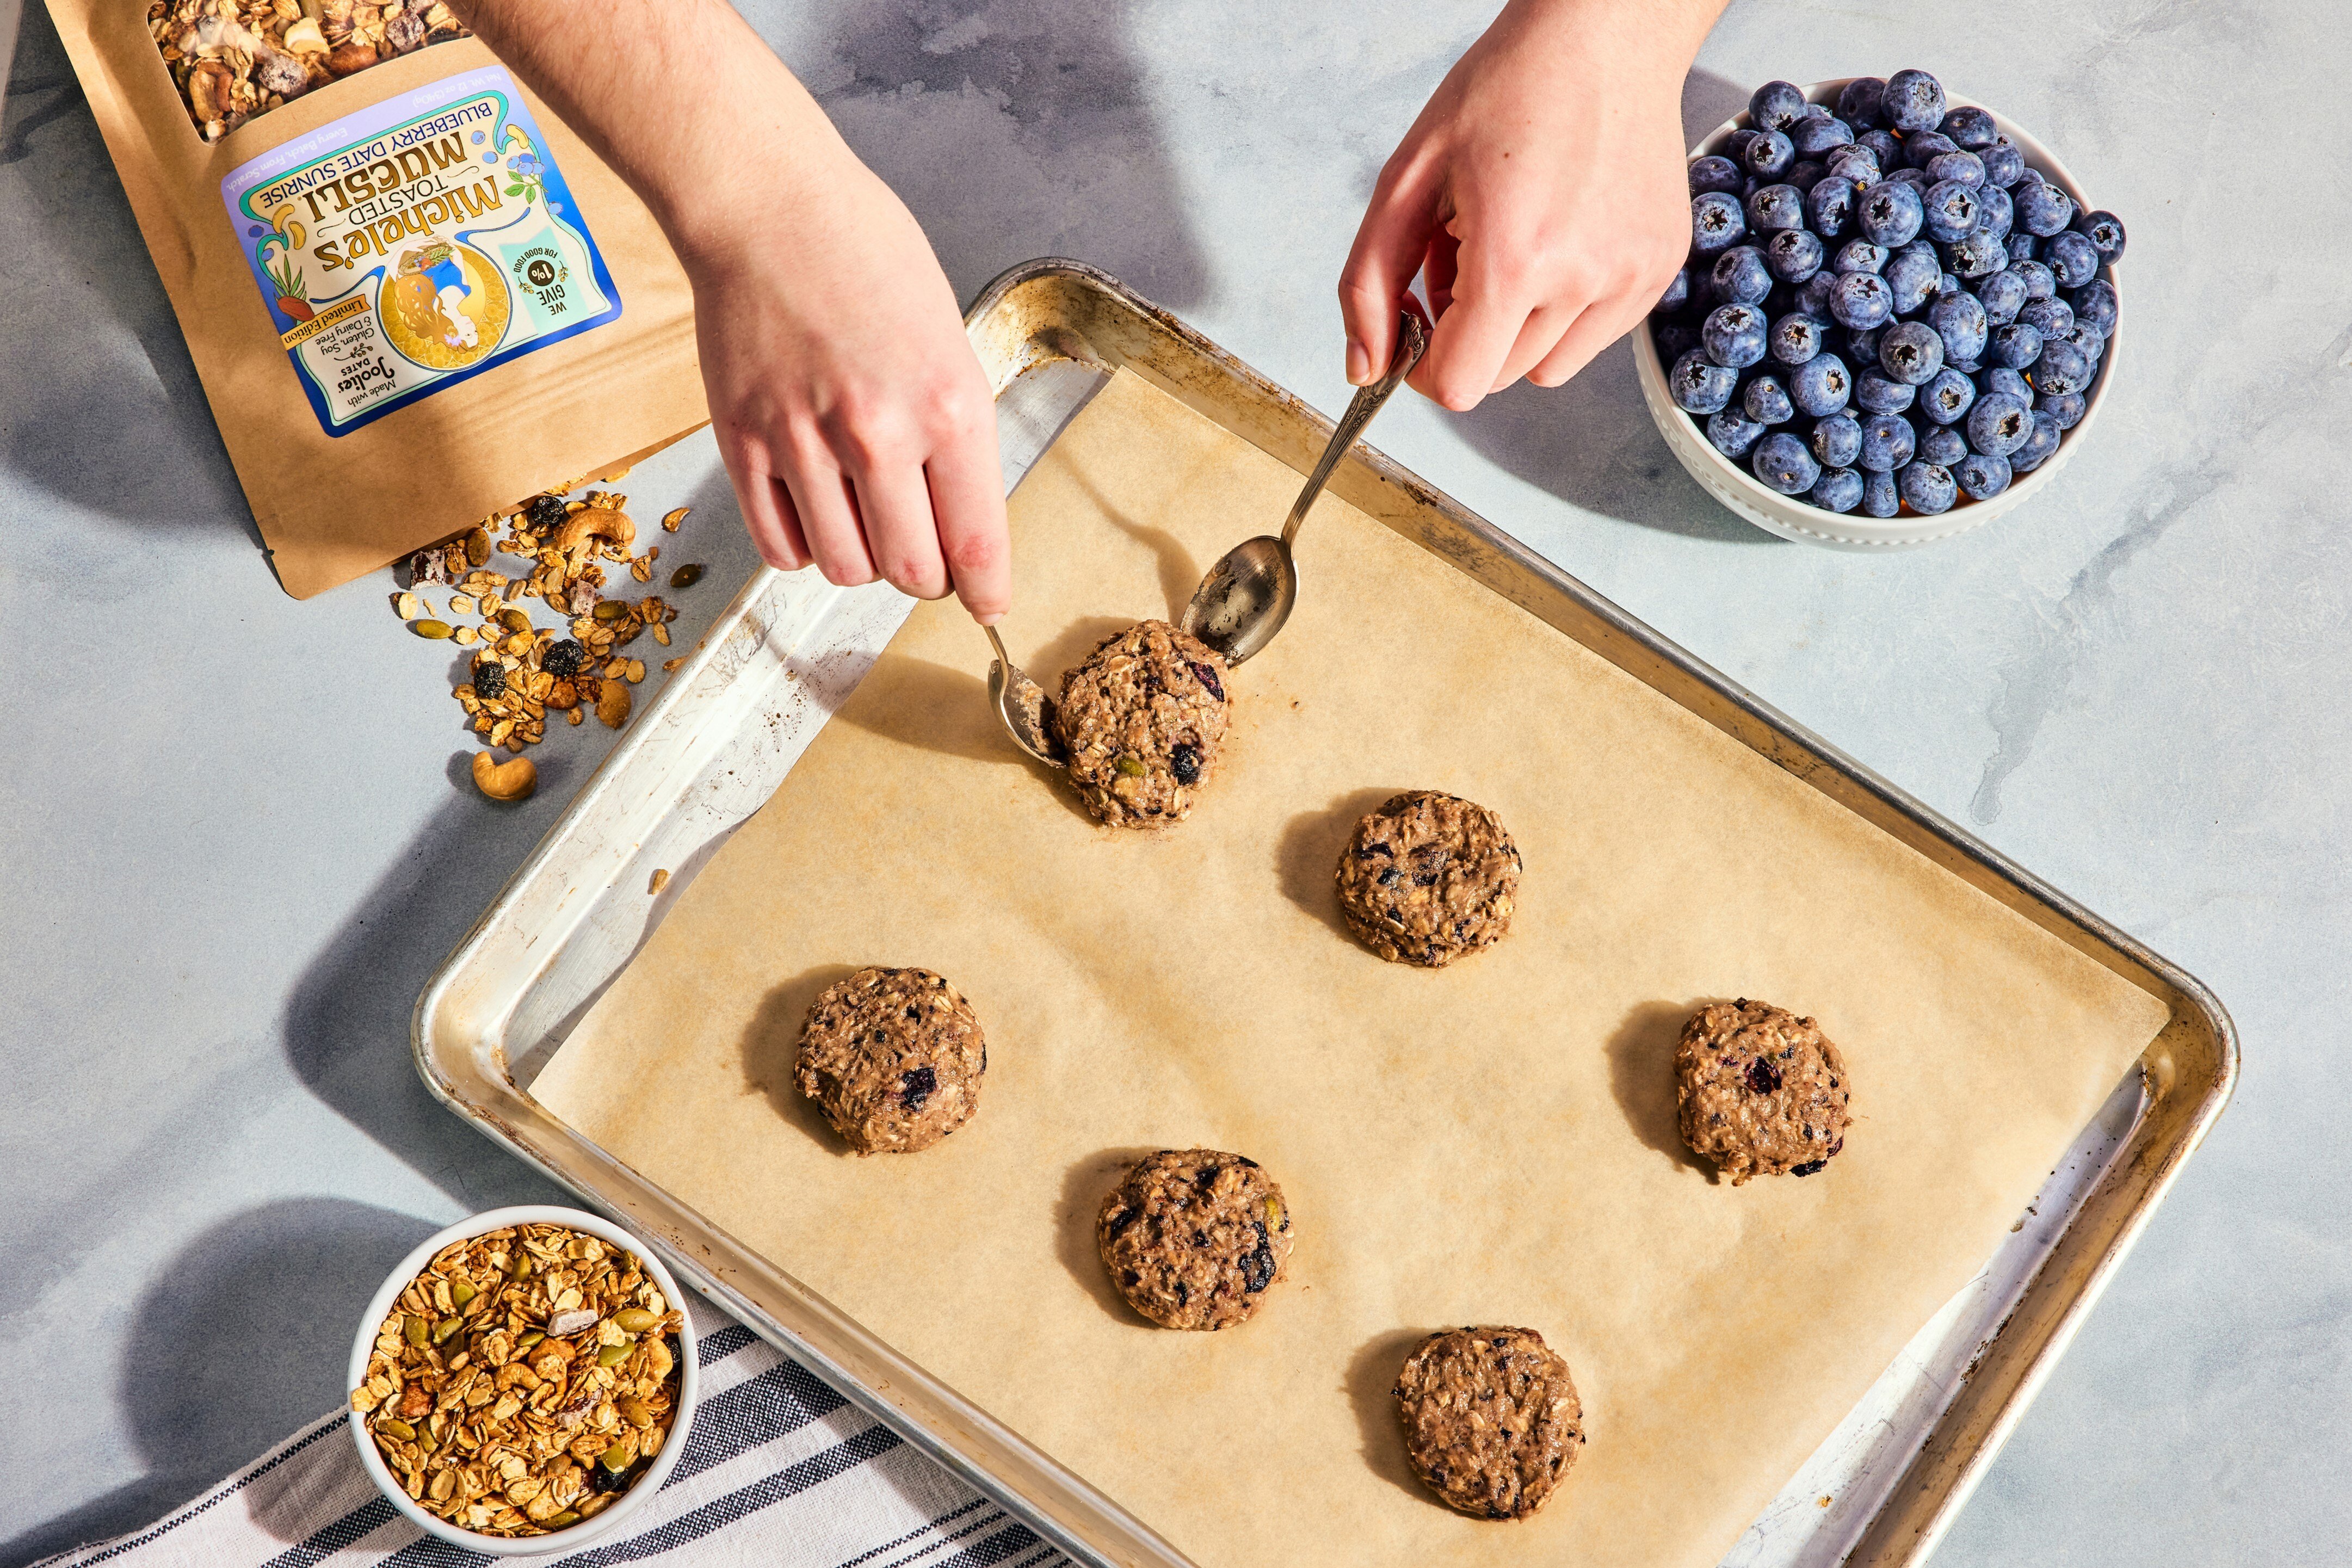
{"type": "Point", "coordinates": [529, 1338]}
{"type": "Point", "coordinates": [514, 620]}
{"type": "Point", "coordinates": [611, 610]}
{"type": "Point", "coordinates": [687, 577]}
{"type": "Point", "coordinates": [630, 1405]}
{"type": "Point", "coordinates": [462, 1291]}
{"type": "Point", "coordinates": [416, 1330]}
{"type": "Point", "coordinates": [635, 1320]}
{"type": "Point", "coordinates": [392, 1425]}
{"type": "Point", "coordinates": [445, 1328]}
{"type": "Point", "coordinates": [613, 1355]}
{"type": "Point", "coordinates": [557, 1521]}
{"type": "Point", "coordinates": [1132, 767]}
{"type": "Point", "coordinates": [619, 1457]}
{"type": "Point", "coordinates": [435, 629]}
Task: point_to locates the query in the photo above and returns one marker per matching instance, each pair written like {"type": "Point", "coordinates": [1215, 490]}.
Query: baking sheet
{"type": "Point", "coordinates": [1490, 1143]}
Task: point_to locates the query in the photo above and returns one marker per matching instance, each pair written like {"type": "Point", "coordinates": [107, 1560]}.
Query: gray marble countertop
{"type": "Point", "coordinates": [238, 838]}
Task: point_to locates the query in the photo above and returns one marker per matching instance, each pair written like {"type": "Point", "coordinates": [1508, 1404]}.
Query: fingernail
{"type": "Point", "coordinates": [1360, 363]}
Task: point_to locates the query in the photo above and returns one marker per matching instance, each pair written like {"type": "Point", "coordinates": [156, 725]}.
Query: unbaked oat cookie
{"type": "Point", "coordinates": [1428, 877]}
{"type": "Point", "coordinates": [1760, 1091]}
{"type": "Point", "coordinates": [894, 1058]}
{"type": "Point", "coordinates": [1194, 1237]}
{"type": "Point", "coordinates": [1491, 1419]}
{"type": "Point", "coordinates": [1141, 720]}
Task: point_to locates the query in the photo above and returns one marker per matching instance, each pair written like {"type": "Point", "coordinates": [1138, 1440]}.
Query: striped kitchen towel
{"type": "Point", "coordinates": [777, 1469]}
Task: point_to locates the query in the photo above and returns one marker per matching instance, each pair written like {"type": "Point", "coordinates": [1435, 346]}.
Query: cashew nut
{"type": "Point", "coordinates": [513, 779]}
{"type": "Point", "coordinates": [303, 37]}
{"type": "Point", "coordinates": [209, 88]}
{"type": "Point", "coordinates": [593, 523]}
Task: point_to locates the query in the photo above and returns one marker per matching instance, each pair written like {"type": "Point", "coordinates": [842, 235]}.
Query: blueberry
{"type": "Point", "coordinates": [1888, 213]}
{"type": "Point", "coordinates": [1717, 222]}
{"type": "Point", "coordinates": [2037, 446]}
{"type": "Point", "coordinates": [2073, 259]}
{"type": "Point", "coordinates": [1821, 385]}
{"type": "Point", "coordinates": [1732, 335]}
{"type": "Point", "coordinates": [1858, 103]}
{"type": "Point", "coordinates": [1675, 342]}
{"type": "Point", "coordinates": [1876, 393]}
{"type": "Point", "coordinates": [1782, 300]}
{"type": "Point", "coordinates": [1927, 486]}
{"type": "Point", "coordinates": [1963, 166]}
{"type": "Point", "coordinates": [2004, 165]}
{"type": "Point", "coordinates": [1862, 346]}
{"type": "Point", "coordinates": [1768, 154]}
{"type": "Point", "coordinates": [1999, 424]}
{"type": "Point", "coordinates": [1766, 403]}
{"type": "Point", "coordinates": [2065, 409]}
{"type": "Point", "coordinates": [1735, 147]}
{"type": "Point", "coordinates": [1740, 276]}
{"type": "Point", "coordinates": [1837, 441]}
{"type": "Point", "coordinates": [1923, 148]}
{"type": "Point", "coordinates": [1676, 295]}
{"type": "Point", "coordinates": [1793, 253]}
{"type": "Point", "coordinates": [1938, 444]}
{"type": "Point", "coordinates": [1911, 352]}
{"type": "Point", "coordinates": [2000, 378]}
{"type": "Point", "coordinates": [1967, 367]}
{"type": "Point", "coordinates": [1887, 442]}
{"type": "Point", "coordinates": [1804, 173]}
{"type": "Point", "coordinates": [1912, 273]}
{"type": "Point", "coordinates": [1948, 284]}
{"type": "Point", "coordinates": [1913, 100]}
{"type": "Point", "coordinates": [2051, 318]}
{"type": "Point", "coordinates": [1963, 322]}
{"type": "Point", "coordinates": [1838, 490]}
{"type": "Point", "coordinates": [1951, 211]}
{"type": "Point", "coordinates": [1782, 462]}
{"type": "Point", "coordinates": [1701, 386]}
{"type": "Point", "coordinates": [2094, 306]}
{"type": "Point", "coordinates": [1733, 431]}
{"type": "Point", "coordinates": [1998, 212]}
{"type": "Point", "coordinates": [2039, 283]}
{"type": "Point", "coordinates": [1861, 300]}
{"type": "Point", "coordinates": [1828, 205]}
{"type": "Point", "coordinates": [2022, 247]}
{"type": "Point", "coordinates": [2062, 368]}
{"type": "Point", "coordinates": [1879, 495]}
{"type": "Point", "coordinates": [1715, 173]}
{"type": "Point", "coordinates": [1776, 206]}
{"type": "Point", "coordinates": [1776, 106]}
{"type": "Point", "coordinates": [2014, 346]}
{"type": "Point", "coordinates": [1946, 397]}
{"type": "Point", "coordinates": [1883, 143]}
{"type": "Point", "coordinates": [1976, 255]}
{"type": "Point", "coordinates": [1750, 186]}
{"type": "Point", "coordinates": [1857, 163]}
{"type": "Point", "coordinates": [1813, 137]}
{"type": "Point", "coordinates": [1916, 178]}
{"type": "Point", "coordinates": [1858, 255]}
{"type": "Point", "coordinates": [2043, 208]}
{"type": "Point", "coordinates": [1981, 477]}
{"type": "Point", "coordinates": [1969, 127]}
{"type": "Point", "coordinates": [1795, 338]}
{"type": "Point", "coordinates": [2102, 229]}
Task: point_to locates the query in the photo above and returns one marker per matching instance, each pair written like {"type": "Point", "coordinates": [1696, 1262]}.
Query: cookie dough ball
{"type": "Point", "coordinates": [1141, 720]}
{"type": "Point", "coordinates": [1428, 877]}
{"type": "Point", "coordinates": [894, 1058]}
{"type": "Point", "coordinates": [1193, 1238]}
{"type": "Point", "coordinates": [1491, 1419]}
{"type": "Point", "coordinates": [1760, 1091]}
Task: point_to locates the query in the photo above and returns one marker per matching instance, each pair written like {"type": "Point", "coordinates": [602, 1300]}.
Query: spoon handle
{"type": "Point", "coordinates": [1412, 338]}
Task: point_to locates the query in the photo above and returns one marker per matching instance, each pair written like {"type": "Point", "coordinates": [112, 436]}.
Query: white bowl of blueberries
{"type": "Point", "coordinates": [1898, 321]}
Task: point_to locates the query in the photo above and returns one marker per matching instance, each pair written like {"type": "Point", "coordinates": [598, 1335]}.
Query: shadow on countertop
{"type": "Point", "coordinates": [1592, 442]}
{"type": "Point", "coordinates": [244, 1342]}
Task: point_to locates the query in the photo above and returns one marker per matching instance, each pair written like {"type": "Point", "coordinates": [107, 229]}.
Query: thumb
{"type": "Point", "coordinates": [1378, 279]}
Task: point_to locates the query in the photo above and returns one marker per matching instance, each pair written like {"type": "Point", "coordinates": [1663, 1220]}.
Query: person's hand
{"type": "Point", "coordinates": [1541, 194]}
{"type": "Point", "coordinates": [856, 422]}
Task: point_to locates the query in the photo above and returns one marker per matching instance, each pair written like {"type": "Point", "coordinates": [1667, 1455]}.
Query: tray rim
{"type": "Point", "coordinates": [468, 1076]}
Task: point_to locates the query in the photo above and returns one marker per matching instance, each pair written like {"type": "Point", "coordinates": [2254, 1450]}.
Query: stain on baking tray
{"type": "Point", "coordinates": [1307, 853]}
{"type": "Point", "coordinates": [1084, 1187]}
{"type": "Point", "coordinates": [1642, 1075]}
{"type": "Point", "coordinates": [772, 1042]}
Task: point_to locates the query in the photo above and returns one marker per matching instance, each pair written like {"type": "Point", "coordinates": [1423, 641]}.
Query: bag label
{"type": "Point", "coordinates": [414, 244]}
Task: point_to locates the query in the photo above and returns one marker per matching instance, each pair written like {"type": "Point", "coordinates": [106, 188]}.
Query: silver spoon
{"type": "Point", "coordinates": [1020, 705]}
{"type": "Point", "coordinates": [1247, 596]}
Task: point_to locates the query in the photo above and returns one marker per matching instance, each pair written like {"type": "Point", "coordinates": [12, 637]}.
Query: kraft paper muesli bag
{"type": "Point", "coordinates": [413, 297]}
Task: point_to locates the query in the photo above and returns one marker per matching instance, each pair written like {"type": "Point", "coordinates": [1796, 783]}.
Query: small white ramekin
{"type": "Point", "coordinates": [1791, 517]}
{"type": "Point", "coordinates": [587, 1529]}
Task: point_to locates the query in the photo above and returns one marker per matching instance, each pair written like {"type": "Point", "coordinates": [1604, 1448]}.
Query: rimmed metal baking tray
{"type": "Point", "coordinates": [713, 747]}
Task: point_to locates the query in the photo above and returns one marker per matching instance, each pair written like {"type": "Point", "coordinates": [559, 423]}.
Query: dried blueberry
{"type": "Point", "coordinates": [1208, 678]}
{"type": "Point", "coordinates": [544, 514]}
{"type": "Point", "coordinates": [916, 1088]}
{"type": "Point", "coordinates": [1808, 1168]}
{"type": "Point", "coordinates": [1257, 1268]}
{"type": "Point", "coordinates": [600, 1479]}
{"type": "Point", "coordinates": [489, 680]}
{"type": "Point", "coordinates": [562, 659]}
{"type": "Point", "coordinates": [1185, 759]}
{"type": "Point", "coordinates": [1763, 1077]}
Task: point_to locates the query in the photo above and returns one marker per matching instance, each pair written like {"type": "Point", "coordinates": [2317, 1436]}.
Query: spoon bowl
{"type": "Point", "coordinates": [1021, 704]}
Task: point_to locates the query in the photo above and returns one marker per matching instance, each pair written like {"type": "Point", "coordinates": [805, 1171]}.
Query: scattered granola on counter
{"type": "Point", "coordinates": [523, 1381]}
